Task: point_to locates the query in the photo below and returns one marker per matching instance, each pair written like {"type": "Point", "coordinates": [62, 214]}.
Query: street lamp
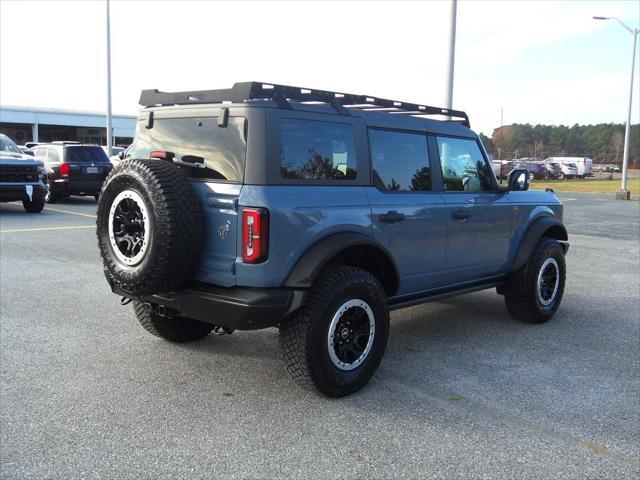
{"type": "Point", "coordinates": [624, 194]}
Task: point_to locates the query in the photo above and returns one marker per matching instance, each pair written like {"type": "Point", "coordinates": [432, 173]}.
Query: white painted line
{"type": "Point", "coordinates": [47, 207]}
{"type": "Point", "coordinates": [44, 229]}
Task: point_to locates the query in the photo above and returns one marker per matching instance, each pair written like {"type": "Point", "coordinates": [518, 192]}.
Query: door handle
{"type": "Point", "coordinates": [392, 217]}
{"type": "Point", "coordinates": [460, 215]}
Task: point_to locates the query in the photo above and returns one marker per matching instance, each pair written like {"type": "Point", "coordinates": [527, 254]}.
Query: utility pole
{"type": "Point", "coordinates": [109, 128]}
{"type": "Point", "coordinates": [624, 193]}
{"type": "Point", "coordinates": [452, 54]}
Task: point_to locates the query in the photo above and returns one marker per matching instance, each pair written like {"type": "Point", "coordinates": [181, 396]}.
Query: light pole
{"type": "Point", "coordinates": [624, 194]}
{"type": "Point", "coordinates": [452, 53]}
{"type": "Point", "coordinates": [109, 129]}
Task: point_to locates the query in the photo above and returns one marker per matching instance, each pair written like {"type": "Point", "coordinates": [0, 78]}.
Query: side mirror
{"type": "Point", "coordinates": [518, 180]}
{"type": "Point", "coordinates": [121, 155]}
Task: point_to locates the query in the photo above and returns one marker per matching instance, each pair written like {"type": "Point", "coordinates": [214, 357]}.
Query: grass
{"type": "Point", "coordinates": [587, 185]}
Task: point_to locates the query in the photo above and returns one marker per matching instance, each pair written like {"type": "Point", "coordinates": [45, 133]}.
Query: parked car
{"type": "Point", "coordinates": [536, 167]}
{"type": "Point", "coordinates": [21, 177]}
{"type": "Point", "coordinates": [568, 168]}
{"type": "Point", "coordinates": [73, 169]}
{"type": "Point", "coordinates": [598, 167]}
{"type": "Point", "coordinates": [116, 159]}
{"type": "Point", "coordinates": [584, 165]}
{"type": "Point", "coordinates": [114, 150]}
{"type": "Point", "coordinates": [25, 150]}
{"type": "Point", "coordinates": [553, 169]}
{"type": "Point", "coordinates": [318, 219]}
{"type": "Point", "coordinates": [501, 168]}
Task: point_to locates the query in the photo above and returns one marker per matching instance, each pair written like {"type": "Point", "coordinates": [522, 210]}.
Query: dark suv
{"type": "Point", "coordinates": [22, 178]}
{"type": "Point", "coordinates": [317, 213]}
{"type": "Point", "coordinates": [73, 168]}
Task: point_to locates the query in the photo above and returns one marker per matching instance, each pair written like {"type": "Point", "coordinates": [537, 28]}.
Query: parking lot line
{"type": "Point", "coordinates": [57, 210]}
{"type": "Point", "coordinates": [44, 229]}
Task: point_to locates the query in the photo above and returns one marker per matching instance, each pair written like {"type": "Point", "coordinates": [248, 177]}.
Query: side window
{"type": "Point", "coordinates": [53, 155]}
{"type": "Point", "coordinates": [464, 169]}
{"type": "Point", "coordinates": [400, 161]}
{"type": "Point", "coordinates": [40, 153]}
{"type": "Point", "coordinates": [312, 150]}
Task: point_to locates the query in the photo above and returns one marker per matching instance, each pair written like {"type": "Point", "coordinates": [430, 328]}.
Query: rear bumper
{"type": "Point", "coordinates": [76, 187]}
{"type": "Point", "coordinates": [237, 308]}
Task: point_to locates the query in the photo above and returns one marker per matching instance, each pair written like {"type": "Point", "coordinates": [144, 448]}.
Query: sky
{"type": "Point", "coordinates": [541, 61]}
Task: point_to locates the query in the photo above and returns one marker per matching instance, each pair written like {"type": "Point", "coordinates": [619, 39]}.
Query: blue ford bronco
{"type": "Point", "coordinates": [318, 213]}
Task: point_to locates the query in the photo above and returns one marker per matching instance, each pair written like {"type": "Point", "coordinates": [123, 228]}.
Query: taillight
{"type": "Point", "coordinates": [255, 234]}
{"type": "Point", "coordinates": [64, 169]}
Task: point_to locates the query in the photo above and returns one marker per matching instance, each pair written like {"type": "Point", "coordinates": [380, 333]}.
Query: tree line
{"type": "Point", "coordinates": [602, 142]}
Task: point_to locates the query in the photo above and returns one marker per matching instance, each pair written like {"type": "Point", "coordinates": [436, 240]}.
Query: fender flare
{"type": "Point", "coordinates": [311, 263]}
{"type": "Point", "coordinates": [531, 237]}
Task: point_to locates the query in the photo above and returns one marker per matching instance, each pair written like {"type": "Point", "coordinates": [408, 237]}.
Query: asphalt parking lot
{"type": "Point", "coordinates": [463, 391]}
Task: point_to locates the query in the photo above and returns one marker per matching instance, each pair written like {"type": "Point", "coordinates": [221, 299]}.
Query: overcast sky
{"type": "Point", "coordinates": [543, 61]}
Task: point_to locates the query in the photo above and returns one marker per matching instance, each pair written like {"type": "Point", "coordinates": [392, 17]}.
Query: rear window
{"type": "Point", "coordinates": [311, 150]}
{"type": "Point", "coordinates": [221, 149]}
{"type": "Point", "coordinates": [83, 155]}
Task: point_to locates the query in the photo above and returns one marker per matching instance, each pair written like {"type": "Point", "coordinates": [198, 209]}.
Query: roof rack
{"type": "Point", "coordinates": [281, 94]}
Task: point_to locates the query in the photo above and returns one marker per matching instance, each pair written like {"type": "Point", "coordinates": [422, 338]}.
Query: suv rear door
{"type": "Point", "coordinates": [479, 214]}
{"type": "Point", "coordinates": [194, 135]}
{"type": "Point", "coordinates": [409, 218]}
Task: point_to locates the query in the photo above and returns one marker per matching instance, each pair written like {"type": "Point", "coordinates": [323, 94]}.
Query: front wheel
{"type": "Point", "coordinates": [337, 340]}
{"type": "Point", "coordinates": [36, 204]}
{"type": "Point", "coordinates": [534, 293]}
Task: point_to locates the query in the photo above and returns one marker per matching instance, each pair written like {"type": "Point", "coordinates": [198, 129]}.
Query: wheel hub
{"type": "Point", "coordinates": [351, 334]}
{"type": "Point", "coordinates": [548, 281]}
{"type": "Point", "coordinates": [129, 227]}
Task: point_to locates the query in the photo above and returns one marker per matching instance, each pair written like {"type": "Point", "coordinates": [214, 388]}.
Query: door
{"type": "Point", "coordinates": [479, 216]}
{"type": "Point", "coordinates": [409, 218]}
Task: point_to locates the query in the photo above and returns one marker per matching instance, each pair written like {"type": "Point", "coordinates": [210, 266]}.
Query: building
{"type": "Point", "coordinates": [30, 124]}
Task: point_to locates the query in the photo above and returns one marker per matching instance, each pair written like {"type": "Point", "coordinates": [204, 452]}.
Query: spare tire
{"type": "Point", "coordinates": [149, 227]}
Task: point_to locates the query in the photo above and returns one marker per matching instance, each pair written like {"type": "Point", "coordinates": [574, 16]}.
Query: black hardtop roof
{"type": "Point", "coordinates": [378, 110]}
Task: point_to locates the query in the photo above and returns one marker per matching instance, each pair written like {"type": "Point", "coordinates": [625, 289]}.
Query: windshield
{"type": "Point", "coordinates": [85, 154]}
{"type": "Point", "coordinates": [221, 149]}
{"type": "Point", "coordinates": [6, 145]}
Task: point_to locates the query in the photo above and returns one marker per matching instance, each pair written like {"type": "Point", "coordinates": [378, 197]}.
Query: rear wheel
{"type": "Point", "coordinates": [534, 293]}
{"type": "Point", "coordinates": [170, 327]}
{"type": "Point", "coordinates": [336, 342]}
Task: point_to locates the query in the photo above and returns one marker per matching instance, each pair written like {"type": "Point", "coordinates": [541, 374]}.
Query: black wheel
{"type": "Point", "coordinates": [36, 204]}
{"type": "Point", "coordinates": [50, 196]}
{"type": "Point", "coordinates": [149, 227]}
{"type": "Point", "coordinates": [337, 340]}
{"type": "Point", "coordinates": [172, 328]}
{"type": "Point", "coordinates": [534, 293]}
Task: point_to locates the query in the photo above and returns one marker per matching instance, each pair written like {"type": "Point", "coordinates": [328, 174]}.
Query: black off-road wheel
{"type": "Point", "coordinates": [36, 204]}
{"type": "Point", "coordinates": [149, 227]}
{"type": "Point", "coordinates": [172, 328]}
{"type": "Point", "coordinates": [534, 293]}
{"type": "Point", "coordinates": [337, 340]}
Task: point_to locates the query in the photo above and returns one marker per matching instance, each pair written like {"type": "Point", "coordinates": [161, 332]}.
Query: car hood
{"type": "Point", "coordinates": [13, 159]}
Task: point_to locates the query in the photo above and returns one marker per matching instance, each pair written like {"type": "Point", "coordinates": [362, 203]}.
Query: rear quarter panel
{"type": "Point", "coordinates": [298, 218]}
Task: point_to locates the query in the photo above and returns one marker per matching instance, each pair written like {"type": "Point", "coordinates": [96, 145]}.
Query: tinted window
{"type": "Point", "coordinates": [199, 140]}
{"type": "Point", "coordinates": [53, 155]}
{"type": "Point", "coordinates": [463, 166]}
{"type": "Point", "coordinates": [317, 150]}
{"type": "Point", "coordinates": [400, 161]}
{"type": "Point", "coordinates": [84, 154]}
